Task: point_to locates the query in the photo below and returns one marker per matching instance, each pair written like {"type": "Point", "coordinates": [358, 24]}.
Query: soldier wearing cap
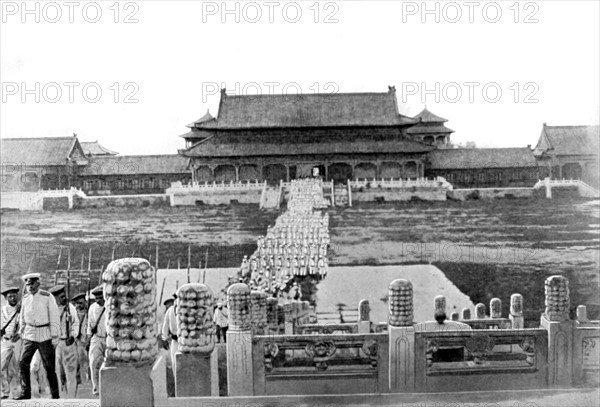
{"type": "Point", "coordinates": [11, 343]}
{"type": "Point", "coordinates": [81, 340]}
{"type": "Point", "coordinates": [66, 350]}
{"type": "Point", "coordinates": [96, 331]}
{"type": "Point", "coordinates": [169, 331]}
{"type": "Point", "coordinates": [39, 327]}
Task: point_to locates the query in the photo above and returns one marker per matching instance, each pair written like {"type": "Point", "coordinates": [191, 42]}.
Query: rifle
{"type": "Point", "coordinates": [87, 306]}
{"type": "Point", "coordinates": [188, 268]}
{"type": "Point", "coordinates": [162, 291]}
{"type": "Point", "coordinates": [68, 293]}
{"type": "Point", "coordinates": [156, 259]}
{"type": "Point", "coordinates": [57, 266]}
{"type": "Point", "coordinates": [205, 266]}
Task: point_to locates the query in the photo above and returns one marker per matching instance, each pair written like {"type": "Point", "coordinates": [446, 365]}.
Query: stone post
{"type": "Point", "coordinates": [364, 317]}
{"type": "Point", "coordinates": [480, 311]}
{"type": "Point", "coordinates": [516, 311]}
{"type": "Point", "coordinates": [131, 345]}
{"type": "Point", "coordinates": [548, 188]}
{"type": "Point", "coordinates": [560, 331]}
{"type": "Point", "coordinates": [439, 303]}
{"type": "Point", "coordinates": [466, 314]}
{"type": "Point", "coordinates": [259, 312]}
{"type": "Point", "coordinates": [495, 308]}
{"type": "Point", "coordinates": [272, 316]}
{"type": "Point", "coordinates": [288, 314]}
{"type": "Point", "coordinates": [196, 364]}
{"type": "Point", "coordinates": [582, 314]}
{"type": "Point", "coordinates": [401, 336]}
{"type": "Point", "coordinates": [239, 341]}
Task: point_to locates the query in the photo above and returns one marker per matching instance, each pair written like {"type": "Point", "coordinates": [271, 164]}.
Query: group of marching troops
{"type": "Point", "coordinates": [50, 341]}
{"type": "Point", "coordinates": [295, 246]}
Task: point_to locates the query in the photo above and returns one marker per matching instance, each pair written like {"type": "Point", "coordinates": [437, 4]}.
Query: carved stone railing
{"type": "Point", "coordinates": [326, 329]}
{"type": "Point", "coordinates": [500, 359]}
{"type": "Point", "coordinates": [320, 364]}
{"type": "Point", "coordinates": [400, 183]}
{"type": "Point", "coordinates": [488, 323]}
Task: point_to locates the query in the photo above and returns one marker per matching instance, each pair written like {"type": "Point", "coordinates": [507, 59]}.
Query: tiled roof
{"type": "Point", "coordinates": [230, 146]}
{"type": "Point", "coordinates": [429, 129]}
{"type": "Point", "coordinates": [44, 151]}
{"type": "Point", "coordinates": [568, 140]}
{"type": "Point", "coordinates": [427, 117]}
{"type": "Point", "coordinates": [94, 148]}
{"type": "Point", "coordinates": [307, 110]}
{"type": "Point", "coordinates": [136, 164]}
{"type": "Point", "coordinates": [464, 158]}
{"type": "Point", "coordinates": [204, 119]}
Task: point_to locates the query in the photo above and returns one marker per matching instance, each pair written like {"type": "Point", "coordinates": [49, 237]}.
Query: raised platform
{"type": "Point", "coordinates": [580, 397]}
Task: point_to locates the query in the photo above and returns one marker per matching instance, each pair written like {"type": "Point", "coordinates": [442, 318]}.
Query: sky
{"type": "Point", "coordinates": [132, 74]}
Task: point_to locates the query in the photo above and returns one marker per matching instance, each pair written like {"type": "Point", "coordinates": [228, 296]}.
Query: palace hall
{"type": "Point", "coordinates": [335, 136]}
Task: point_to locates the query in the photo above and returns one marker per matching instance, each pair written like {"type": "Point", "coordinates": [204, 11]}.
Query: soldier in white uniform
{"type": "Point", "coordinates": [96, 331]}
{"type": "Point", "coordinates": [82, 340]}
{"type": "Point", "coordinates": [169, 331]}
{"type": "Point", "coordinates": [66, 350]}
{"type": "Point", "coordinates": [39, 327]}
{"type": "Point", "coordinates": [11, 342]}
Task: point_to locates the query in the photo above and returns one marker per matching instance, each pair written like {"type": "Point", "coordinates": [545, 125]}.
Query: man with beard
{"type": "Point", "coordinates": [96, 331]}
{"type": "Point", "coordinates": [39, 327]}
{"type": "Point", "coordinates": [66, 350]}
{"type": "Point", "coordinates": [11, 343]}
{"type": "Point", "coordinates": [81, 340]}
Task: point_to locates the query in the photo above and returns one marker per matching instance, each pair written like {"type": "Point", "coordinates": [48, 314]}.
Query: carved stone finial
{"type": "Point", "coordinates": [516, 305]}
{"type": "Point", "coordinates": [130, 293]}
{"type": "Point", "coordinates": [364, 310]}
{"type": "Point", "coordinates": [480, 311]}
{"type": "Point", "coordinates": [259, 312]}
{"type": "Point", "coordinates": [238, 302]}
{"type": "Point", "coordinates": [495, 308]}
{"type": "Point", "coordinates": [439, 303]}
{"type": "Point", "coordinates": [558, 302]}
{"type": "Point", "coordinates": [582, 313]}
{"type": "Point", "coordinates": [195, 329]}
{"type": "Point", "coordinates": [400, 303]}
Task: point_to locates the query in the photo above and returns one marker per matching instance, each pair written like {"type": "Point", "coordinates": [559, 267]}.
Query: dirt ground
{"type": "Point", "coordinates": [486, 248]}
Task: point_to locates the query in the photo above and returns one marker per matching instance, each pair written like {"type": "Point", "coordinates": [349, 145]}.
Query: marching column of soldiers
{"type": "Point", "coordinates": [45, 329]}
{"type": "Point", "coordinates": [295, 246]}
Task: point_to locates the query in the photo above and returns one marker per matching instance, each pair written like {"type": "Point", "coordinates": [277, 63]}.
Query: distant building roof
{"type": "Point", "coordinates": [306, 110]}
{"type": "Point", "coordinates": [204, 119]}
{"type": "Point", "coordinates": [568, 140]}
{"type": "Point", "coordinates": [136, 164]}
{"type": "Point", "coordinates": [429, 123]}
{"type": "Point", "coordinates": [46, 151]}
{"type": "Point", "coordinates": [94, 148]}
{"type": "Point", "coordinates": [471, 158]}
{"type": "Point", "coordinates": [427, 117]}
{"type": "Point", "coordinates": [223, 145]}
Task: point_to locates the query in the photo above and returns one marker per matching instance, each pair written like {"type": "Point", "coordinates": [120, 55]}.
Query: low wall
{"type": "Point", "coordinates": [315, 364]}
{"type": "Point", "coordinates": [215, 197]}
{"type": "Point", "coordinates": [60, 203]}
{"type": "Point", "coordinates": [502, 359]}
{"type": "Point", "coordinates": [17, 200]}
{"type": "Point", "coordinates": [491, 193]}
{"type": "Point", "coordinates": [114, 201]}
{"type": "Point", "coordinates": [365, 194]}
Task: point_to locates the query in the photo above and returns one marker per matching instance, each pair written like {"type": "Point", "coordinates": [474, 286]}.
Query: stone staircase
{"type": "Point", "coordinates": [271, 197]}
{"type": "Point", "coordinates": [584, 190]}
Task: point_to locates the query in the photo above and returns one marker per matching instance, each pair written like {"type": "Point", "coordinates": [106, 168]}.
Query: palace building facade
{"type": "Point", "coordinates": [283, 137]}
